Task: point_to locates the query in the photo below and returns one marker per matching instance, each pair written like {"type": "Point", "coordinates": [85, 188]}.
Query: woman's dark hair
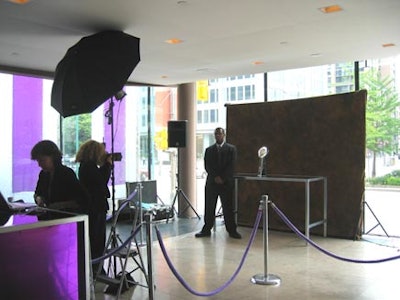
{"type": "Point", "coordinates": [46, 148]}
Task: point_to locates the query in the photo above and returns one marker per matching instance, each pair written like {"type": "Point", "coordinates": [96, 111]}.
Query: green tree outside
{"type": "Point", "coordinates": [77, 130]}
{"type": "Point", "coordinates": [382, 123]}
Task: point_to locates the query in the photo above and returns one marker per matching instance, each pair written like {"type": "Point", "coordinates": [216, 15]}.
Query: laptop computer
{"type": "Point", "coordinates": [13, 207]}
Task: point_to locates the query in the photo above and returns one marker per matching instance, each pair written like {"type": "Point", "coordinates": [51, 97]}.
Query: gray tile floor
{"type": "Point", "coordinates": [206, 264]}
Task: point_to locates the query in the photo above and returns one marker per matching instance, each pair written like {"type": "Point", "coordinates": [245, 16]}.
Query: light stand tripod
{"type": "Point", "coordinates": [110, 120]}
{"type": "Point", "coordinates": [365, 204]}
{"type": "Point", "coordinates": [180, 193]}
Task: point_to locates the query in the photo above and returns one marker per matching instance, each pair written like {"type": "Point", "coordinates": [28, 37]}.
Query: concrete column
{"type": "Point", "coordinates": [187, 156]}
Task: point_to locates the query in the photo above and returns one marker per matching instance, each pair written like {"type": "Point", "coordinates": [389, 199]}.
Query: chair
{"type": "Point", "coordinates": [147, 200]}
{"type": "Point", "coordinates": [117, 276]}
{"type": "Point", "coordinates": [149, 190]}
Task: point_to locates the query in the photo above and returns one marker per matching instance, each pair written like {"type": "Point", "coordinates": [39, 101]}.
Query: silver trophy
{"type": "Point", "coordinates": [262, 153]}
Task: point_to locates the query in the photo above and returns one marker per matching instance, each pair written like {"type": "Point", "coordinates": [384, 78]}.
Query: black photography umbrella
{"type": "Point", "coordinates": [93, 70]}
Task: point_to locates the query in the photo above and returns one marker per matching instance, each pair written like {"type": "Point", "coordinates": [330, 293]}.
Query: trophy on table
{"type": "Point", "coordinates": [262, 153]}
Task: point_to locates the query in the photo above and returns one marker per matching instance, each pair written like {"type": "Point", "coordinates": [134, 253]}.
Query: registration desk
{"type": "Point", "coordinates": [306, 180]}
{"type": "Point", "coordinates": [44, 257]}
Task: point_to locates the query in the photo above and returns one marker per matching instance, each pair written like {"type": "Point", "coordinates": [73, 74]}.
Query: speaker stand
{"type": "Point", "coordinates": [180, 193]}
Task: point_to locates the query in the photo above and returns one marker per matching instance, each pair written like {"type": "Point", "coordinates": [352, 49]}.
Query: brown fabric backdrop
{"type": "Point", "coordinates": [320, 136]}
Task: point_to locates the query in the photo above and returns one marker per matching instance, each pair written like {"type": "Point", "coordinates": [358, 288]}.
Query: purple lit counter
{"type": "Point", "coordinates": [306, 180]}
{"type": "Point", "coordinates": [44, 259]}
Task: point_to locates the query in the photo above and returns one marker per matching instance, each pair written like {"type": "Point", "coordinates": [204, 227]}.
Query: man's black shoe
{"type": "Point", "coordinates": [235, 235]}
{"type": "Point", "coordinates": [202, 234]}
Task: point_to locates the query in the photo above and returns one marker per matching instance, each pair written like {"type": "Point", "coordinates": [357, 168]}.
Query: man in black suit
{"type": "Point", "coordinates": [219, 160]}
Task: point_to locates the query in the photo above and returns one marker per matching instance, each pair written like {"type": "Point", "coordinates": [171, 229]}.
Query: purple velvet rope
{"type": "Point", "coordinates": [300, 234]}
{"type": "Point", "coordinates": [226, 284]}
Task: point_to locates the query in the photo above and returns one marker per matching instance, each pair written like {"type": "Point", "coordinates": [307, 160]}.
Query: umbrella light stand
{"type": "Point", "coordinates": [110, 116]}
{"type": "Point", "coordinates": [110, 121]}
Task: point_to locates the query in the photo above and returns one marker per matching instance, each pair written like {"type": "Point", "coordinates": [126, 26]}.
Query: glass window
{"type": "Point", "coordinates": [143, 120]}
{"type": "Point", "coordinates": [309, 82]}
{"type": "Point", "coordinates": [232, 96]}
{"type": "Point", "coordinates": [248, 93]}
{"type": "Point", "coordinates": [199, 116]}
{"type": "Point", "coordinates": [206, 116]}
{"type": "Point", "coordinates": [240, 93]}
{"type": "Point", "coordinates": [213, 96]}
{"type": "Point", "coordinates": [213, 116]}
{"type": "Point", "coordinates": [134, 126]}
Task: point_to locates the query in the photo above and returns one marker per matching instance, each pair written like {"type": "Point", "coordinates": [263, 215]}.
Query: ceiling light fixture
{"type": "Point", "coordinates": [19, 1]}
{"type": "Point", "coordinates": [257, 62]}
{"type": "Point", "coordinates": [205, 70]}
{"type": "Point", "coordinates": [331, 9]}
{"type": "Point", "coordinates": [174, 41]}
{"type": "Point", "coordinates": [388, 45]}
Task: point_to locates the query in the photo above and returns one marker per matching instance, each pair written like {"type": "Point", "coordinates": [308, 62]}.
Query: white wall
{"type": "Point", "coordinates": [50, 116]}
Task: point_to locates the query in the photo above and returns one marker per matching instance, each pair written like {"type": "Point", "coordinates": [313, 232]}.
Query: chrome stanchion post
{"type": "Point", "coordinates": [266, 279]}
{"type": "Point", "coordinates": [149, 241]}
{"type": "Point", "coordinates": [140, 188]}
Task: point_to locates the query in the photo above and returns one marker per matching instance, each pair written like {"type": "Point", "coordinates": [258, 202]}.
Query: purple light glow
{"type": "Point", "coordinates": [40, 263]}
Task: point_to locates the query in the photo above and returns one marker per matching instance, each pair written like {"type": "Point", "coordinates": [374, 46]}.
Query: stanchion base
{"type": "Point", "coordinates": [268, 279]}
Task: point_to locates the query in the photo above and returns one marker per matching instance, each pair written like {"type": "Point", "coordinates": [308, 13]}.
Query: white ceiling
{"type": "Point", "coordinates": [220, 37]}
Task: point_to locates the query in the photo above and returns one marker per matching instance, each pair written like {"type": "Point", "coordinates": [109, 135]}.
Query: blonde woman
{"type": "Point", "coordinates": [94, 174]}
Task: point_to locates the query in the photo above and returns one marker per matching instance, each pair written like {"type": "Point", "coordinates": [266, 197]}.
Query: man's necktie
{"type": "Point", "coordinates": [219, 154]}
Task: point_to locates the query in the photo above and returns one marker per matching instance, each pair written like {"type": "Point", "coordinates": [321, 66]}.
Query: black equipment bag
{"type": "Point", "coordinates": [159, 211]}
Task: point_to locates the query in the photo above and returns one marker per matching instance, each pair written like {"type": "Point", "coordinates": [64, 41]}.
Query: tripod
{"type": "Point", "coordinates": [110, 120]}
{"type": "Point", "coordinates": [120, 279]}
{"type": "Point", "coordinates": [365, 204]}
{"type": "Point", "coordinates": [180, 192]}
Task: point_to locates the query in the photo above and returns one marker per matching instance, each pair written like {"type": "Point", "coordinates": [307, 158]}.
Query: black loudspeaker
{"type": "Point", "coordinates": [177, 134]}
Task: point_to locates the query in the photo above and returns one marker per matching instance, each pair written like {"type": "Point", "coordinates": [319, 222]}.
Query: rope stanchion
{"type": "Point", "coordinates": [149, 242]}
{"type": "Point", "coordinates": [301, 235]}
{"type": "Point", "coordinates": [265, 278]}
{"type": "Point", "coordinates": [227, 283]}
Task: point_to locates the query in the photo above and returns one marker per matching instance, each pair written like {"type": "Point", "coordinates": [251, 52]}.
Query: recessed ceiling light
{"type": "Point", "coordinates": [258, 62]}
{"type": "Point", "coordinates": [331, 9]}
{"type": "Point", "coordinates": [388, 45]}
{"type": "Point", "coordinates": [205, 70]}
{"type": "Point", "coordinates": [19, 1]}
{"type": "Point", "coordinates": [174, 41]}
